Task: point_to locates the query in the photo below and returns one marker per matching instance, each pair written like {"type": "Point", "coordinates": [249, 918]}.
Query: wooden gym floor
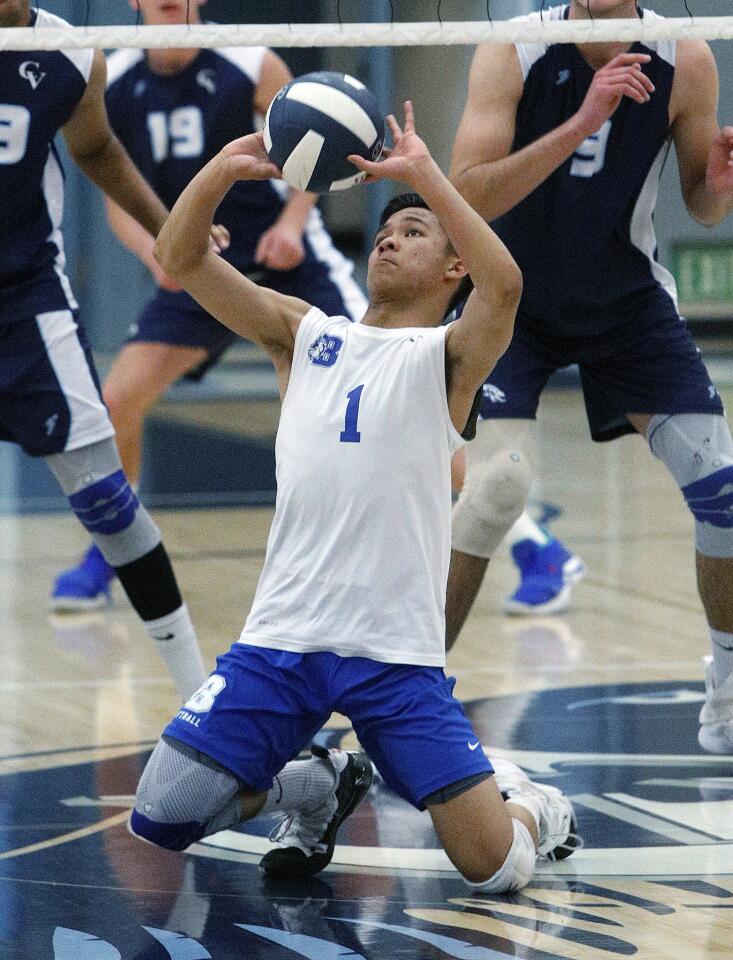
{"type": "Point", "coordinates": [602, 701]}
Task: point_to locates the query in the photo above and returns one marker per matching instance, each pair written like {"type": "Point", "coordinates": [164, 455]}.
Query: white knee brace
{"type": "Point", "coordinates": [698, 451]}
{"type": "Point", "coordinates": [518, 868]}
{"type": "Point", "coordinates": [493, 497]}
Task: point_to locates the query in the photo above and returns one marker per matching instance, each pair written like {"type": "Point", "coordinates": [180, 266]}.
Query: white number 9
{"type": "Point", "coordinates": [14, 124]}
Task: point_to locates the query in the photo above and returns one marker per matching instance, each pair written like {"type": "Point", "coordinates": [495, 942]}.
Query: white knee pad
{"type": "Point", "coordinates": [518, 868]}
{"type": "Point", "coordinates": [492, 499]}
{"type": "Point", "coordinates": [697, 449]}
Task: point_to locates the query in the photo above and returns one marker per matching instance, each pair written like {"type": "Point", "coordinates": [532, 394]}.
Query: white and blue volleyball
{"type": "Point", "coordinates": [315, 122]}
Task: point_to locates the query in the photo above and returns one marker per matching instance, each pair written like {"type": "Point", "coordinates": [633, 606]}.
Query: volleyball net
{"type": "Point", "coordinates": [392, 32]}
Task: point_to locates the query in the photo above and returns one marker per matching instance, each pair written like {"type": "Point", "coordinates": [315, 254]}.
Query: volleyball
{"type": "Point", "coordinates": [315, 122]}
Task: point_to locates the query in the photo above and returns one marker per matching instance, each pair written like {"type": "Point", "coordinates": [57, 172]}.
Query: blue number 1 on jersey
{"type": "Point", "coordinates": [350, 434]}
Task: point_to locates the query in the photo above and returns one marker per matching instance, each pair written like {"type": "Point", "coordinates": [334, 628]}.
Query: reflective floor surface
{"type": "Point", "coordinates": [602, 701]}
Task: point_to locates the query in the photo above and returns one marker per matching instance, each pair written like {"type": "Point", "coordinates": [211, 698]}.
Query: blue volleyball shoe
{"type": "Point", "coordinates": [547, 573]}
{"type": "Point", "coordinates": [86, 586]}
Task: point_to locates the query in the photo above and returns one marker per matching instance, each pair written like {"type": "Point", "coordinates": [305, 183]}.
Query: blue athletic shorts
{"type": "Point", "coordinates": [50, 398]}
{"type": "Point", "coordinates": [260, 708]}
{"type": "Point", "coordinates": [648, 364]}
{"type": "Point", "coordinates": [177, 319]}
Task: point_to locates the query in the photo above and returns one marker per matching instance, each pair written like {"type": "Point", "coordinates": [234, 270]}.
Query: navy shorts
{"type": "Point", "coordinates": [647, 364]}
{"type": "Point", "coordinates": [50, 398]}
{"type": "Point", "coordinates": [260, 708]}
{"type": "Point", "coordinates": [177, 319]}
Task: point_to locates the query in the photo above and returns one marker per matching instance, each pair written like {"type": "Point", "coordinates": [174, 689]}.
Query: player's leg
{"type": "Point", "coordinates": [58, 414]}
{"type": "Point", "coordinates": [497, 471]}
{"type": "Point", "coordinates": [226, 757]}
{"type": "Point", "coordinates": [652, 380]}
{"type": "Point", "coordinates": [100, 495]}
{"type": "Point", "coordinates": [423, 745]}
{"type": "Point", "coordinates": [174, 337]}
{"type": "Point", "coordinates": [139, 377]}
{"type": "Point", "coordinates": [698, 451]}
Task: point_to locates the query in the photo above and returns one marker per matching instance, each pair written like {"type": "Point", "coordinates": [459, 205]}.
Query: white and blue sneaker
{"type": "Point", "coordinates": [86, 586]}
{"type": "Point", "coordinates": [547, 573]}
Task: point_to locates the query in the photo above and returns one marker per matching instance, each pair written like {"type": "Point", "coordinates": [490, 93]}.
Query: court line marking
{"type": "Point", "coordinates": [66, 837]}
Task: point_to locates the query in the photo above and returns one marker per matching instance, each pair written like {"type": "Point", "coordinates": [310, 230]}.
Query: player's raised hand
{"type": "Point", "coordinates": [280, 248]}
{"type": "Point", "coordinates": [621, 77]}
{"type": "Point", "coordinates": [247, 159]}
{"type": "Point", "coordinates": [404, 161]}
{"type": "Point", "coordinates": [720, 162]}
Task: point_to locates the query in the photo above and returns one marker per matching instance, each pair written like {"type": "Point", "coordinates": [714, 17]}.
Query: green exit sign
{"type": "Point", "coordinates": [704, 276]}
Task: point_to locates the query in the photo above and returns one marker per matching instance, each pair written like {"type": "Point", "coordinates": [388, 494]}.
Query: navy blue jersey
{"type": "Point", "coordinates": [173, 125]}
{"type": "Point", "coordinates": [584, 238]}
{"type": "Point", "coordinates": [38, 93]}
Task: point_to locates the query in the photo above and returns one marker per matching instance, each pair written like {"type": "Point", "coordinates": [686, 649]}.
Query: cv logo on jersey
{"type": "Point", "coordinates": [30, 70]}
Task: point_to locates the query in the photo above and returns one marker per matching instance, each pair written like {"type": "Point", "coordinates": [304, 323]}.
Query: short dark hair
{"type": "Point", "coordinates": [400, 202]}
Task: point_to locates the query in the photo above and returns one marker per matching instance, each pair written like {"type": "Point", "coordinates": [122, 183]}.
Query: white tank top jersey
{"type": "Point", "coordinates": [358, 553]}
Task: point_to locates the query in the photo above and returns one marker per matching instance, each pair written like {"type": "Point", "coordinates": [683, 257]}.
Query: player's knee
{"type": "Point", "coordinates": [698, 451]}
{"type": "Point", "coordinates": [172, 836]}
{"type": "Point", "coordinates": [107, 506]}
{"type": "Point", "coordinates": [493, 497]}
{"type": "Point", "coordinates": [516, 870]}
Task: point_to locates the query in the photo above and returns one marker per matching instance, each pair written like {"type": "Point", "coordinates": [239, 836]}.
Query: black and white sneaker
{"type": "Point", "coordinates": [305, 841]}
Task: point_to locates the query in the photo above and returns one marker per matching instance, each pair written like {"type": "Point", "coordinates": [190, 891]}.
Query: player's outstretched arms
{"type": "Point", "coordinates": [184, 253]}
{"type": "Point", "coordinates": [492, 179]}
{"type": "Point", "coordinates": [101, 156]}
{"type": "Point", "coordinates": [476, 341]}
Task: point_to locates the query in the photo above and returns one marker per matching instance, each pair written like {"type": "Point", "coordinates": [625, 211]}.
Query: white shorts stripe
{"type": "Point", "coordinates": [90, 421]}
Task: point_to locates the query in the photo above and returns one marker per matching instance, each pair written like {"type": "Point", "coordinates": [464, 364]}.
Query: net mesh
{"type": "Point", "coordinates": [390, 33]}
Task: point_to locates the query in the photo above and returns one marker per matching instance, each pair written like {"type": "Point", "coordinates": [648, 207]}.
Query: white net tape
{"type": "Point", "coordinates": [367, 34]}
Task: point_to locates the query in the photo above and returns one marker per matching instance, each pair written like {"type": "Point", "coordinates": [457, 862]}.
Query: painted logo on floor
{"type": "Point", "coordinates": [655, 812]}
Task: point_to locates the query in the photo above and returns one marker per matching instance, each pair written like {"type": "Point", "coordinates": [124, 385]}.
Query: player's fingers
{"type": "Point", "coordinates": [624, 59]}
{"type": "Point", "coordinates": [626, 86]}
{"type": "Point", "coordinates": [409, 117]}
{"type": "Point", "coordinates": [394, 127]}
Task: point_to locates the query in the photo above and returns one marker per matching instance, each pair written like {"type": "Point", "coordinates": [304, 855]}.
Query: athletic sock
{"type": "Point", "coordinates": [722, 656]}
{"type": "Point", "coordinates": [175, 640]}
{"type": "Point", "coordinates": [525, 528]}
{"type": "Point", "coordinates": [303, 784]}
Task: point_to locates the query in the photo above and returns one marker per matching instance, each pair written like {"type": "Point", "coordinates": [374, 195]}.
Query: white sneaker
{"type": "Point", "coordinates": [305, 841]}
{"type": "Point", "coordinates": [716, 716]}
{"type": "Point", "coordinates": [549, 806]}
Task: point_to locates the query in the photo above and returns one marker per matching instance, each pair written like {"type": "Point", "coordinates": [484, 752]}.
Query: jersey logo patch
{"type": "Point", "coordinates": [494, 393]}
{"type": "Point", "coordinates": [30, 70]}
{"type": "Point", "coordinates": [562, 77]}
{"type": "Point", "coordinates": [325, 350]}
{"type": "Point", "coordinates": [206, 78]}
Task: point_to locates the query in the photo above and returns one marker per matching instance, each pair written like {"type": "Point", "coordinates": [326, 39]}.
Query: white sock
{"type": "Point", "coordinates": [175, 640]}
{"type": "Point", "coordinates": [722, 656]}
{"type": "Point", "coordinates": [525, 528]}
{"type": "Point", "coordinates": [303, 784]}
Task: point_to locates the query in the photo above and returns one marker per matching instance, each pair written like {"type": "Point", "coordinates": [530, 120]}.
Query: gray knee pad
{"type": "Point", "coordinates": [105, 503]}
{"type": "Point", "coordinates": [698, 451]}
{"type": "Point", "coordinates": [492, 498]}
{"type": "Point", "coordinates": [183, 797]}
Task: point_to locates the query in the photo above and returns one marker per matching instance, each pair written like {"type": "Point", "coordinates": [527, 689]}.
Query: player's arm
{"type": "Point", "coordinates": [476, 341]}
{"type": "Point", "coordinates": [704, 150]}
{"type": "Point", "coordinates": [183, 251]}
{"type": "Point", "coordinates": [281, 247]}
{"type": "Point", "coordinates": [138, 241]}
{"type": "Point", "coordinates": [101, 156]}
{"type": "Point", "coordinates": [489, 176]}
